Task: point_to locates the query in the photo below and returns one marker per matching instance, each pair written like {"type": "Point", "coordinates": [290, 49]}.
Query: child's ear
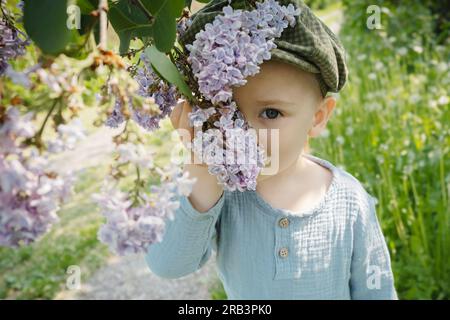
{"type": "Point", "coordinates": [322, 115]}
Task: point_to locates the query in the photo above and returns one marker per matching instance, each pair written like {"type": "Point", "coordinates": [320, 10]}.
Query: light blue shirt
{"type": "Point", "coordinates": [335, 250]}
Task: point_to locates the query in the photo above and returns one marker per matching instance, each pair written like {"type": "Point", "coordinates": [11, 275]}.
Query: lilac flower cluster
{"type": "Point", "coordinates": [230, 150]}
{"type": "Point", "coordinates": [29, 196]}
{"type": "Point", "coordinates": [135, 154]}
{"type": "Point", "coordinates": [150, 86]}
{"type": "Point", "coordinates": [183, 25]}
{"type": "Point", "coordinates": [223, 55]}
{"type": "Point", "coordinates": [68, 135]}
{"type": "Point", "coordinates": [131, 229]}
{"type": "Point", "coordinates": [12, 43]}
{"type": "Point", "coordinates": [231, 48]}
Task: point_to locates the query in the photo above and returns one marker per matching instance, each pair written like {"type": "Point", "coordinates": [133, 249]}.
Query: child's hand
{"type": "Point", "coordinates": [206, 192]}
{"type": "Point", "coordinates": [180, 121]}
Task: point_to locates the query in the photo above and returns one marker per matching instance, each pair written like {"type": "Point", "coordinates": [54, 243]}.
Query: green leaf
{"type": "Point", "coordinates": [87, 6]}
{"type": "Point", "coordinates": [45, 23]}
{"type": "Point", "coordinates": [204, 1]}
{"type": "Point", "coordinates": [128, 21]}
{"type": "Point", "coordinates": [164, 32]}
{"type": "Point", "coordinates": [164, 66]}
{"type": "Point", "coordinates": [171, 7]}
{"type": "Point", "coordinates": [164, 12]}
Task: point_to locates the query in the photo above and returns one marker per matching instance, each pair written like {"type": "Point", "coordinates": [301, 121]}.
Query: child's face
{"type": "Point", "coordinates": [286, 98]}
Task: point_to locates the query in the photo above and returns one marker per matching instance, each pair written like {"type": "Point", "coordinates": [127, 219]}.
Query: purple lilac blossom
{"type": "Point", "coordinates": [131, 229]}
{"type": "Point", "coordinates": [12, 44]}
{"type": "Point", "coordinates": [230, 48]}
{"type": "Point", "coordinates": [231, 150]}
{"type": "Point", "coordinates": [150, 86]}
{"type": "Point", "coordinates": [29, 196]}
{"type": "Point", "coordinates": [182, 26]}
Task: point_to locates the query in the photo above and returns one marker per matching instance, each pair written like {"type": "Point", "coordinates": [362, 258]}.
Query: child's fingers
{"type": "Point", "coordinates": [184, 119]}
{"type": "Point", "coordinates": [176, 113]}
{"type": "Point", "coordinates": [180, 121]}
{"type": "Point", "coordinates": [188, 131]}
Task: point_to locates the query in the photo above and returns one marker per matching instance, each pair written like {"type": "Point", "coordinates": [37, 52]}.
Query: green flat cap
{"type": "Point", "coordinates": [309, 45]}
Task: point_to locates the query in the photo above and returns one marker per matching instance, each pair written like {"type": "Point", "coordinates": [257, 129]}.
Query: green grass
{"type": "Point", "coordinates": [217, 291]}
{"type": "Point", "coordinates": [336, 6]}
{"type": "Point", "coordinates": [389, 130]}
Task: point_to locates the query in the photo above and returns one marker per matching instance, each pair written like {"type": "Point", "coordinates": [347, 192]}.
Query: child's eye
{"type": "Point", "coordinates": [270, 113]}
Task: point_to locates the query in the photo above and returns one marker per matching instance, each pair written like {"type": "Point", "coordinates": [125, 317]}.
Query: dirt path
{"type": "Point", "coordinates": [129, 278]}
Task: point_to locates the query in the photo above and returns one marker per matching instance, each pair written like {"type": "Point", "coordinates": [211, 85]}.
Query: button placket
{"type": "Point", "coordinates": [282, 247]}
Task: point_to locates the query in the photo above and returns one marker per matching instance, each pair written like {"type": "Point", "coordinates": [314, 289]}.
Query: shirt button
{"type": "Point", "coordinates": [283, 223]}
{"type": "Point", "coordinates": [283, 252]}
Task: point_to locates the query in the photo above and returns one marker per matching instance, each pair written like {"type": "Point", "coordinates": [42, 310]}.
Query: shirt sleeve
{"type": "Point", "coordinates": [187, 241]}
{"type": "Point", "coordinates": [371, 274]}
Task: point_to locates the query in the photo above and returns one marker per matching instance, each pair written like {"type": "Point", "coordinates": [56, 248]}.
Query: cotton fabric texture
{"type": "Point", "coordinates": [335, 250]}
{"type": "Point", "coordinates": [309, 45]}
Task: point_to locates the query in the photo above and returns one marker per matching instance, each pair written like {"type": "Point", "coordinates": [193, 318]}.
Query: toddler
{"type": "Point", "coordinates": [308, 231]}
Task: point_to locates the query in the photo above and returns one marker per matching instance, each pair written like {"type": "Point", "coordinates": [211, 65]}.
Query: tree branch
{"type": "Point", "coordinates": [102, 10]}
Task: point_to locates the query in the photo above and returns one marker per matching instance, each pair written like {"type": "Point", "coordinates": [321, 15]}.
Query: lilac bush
{"type": "Point", "coordinates": [223, 55]}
